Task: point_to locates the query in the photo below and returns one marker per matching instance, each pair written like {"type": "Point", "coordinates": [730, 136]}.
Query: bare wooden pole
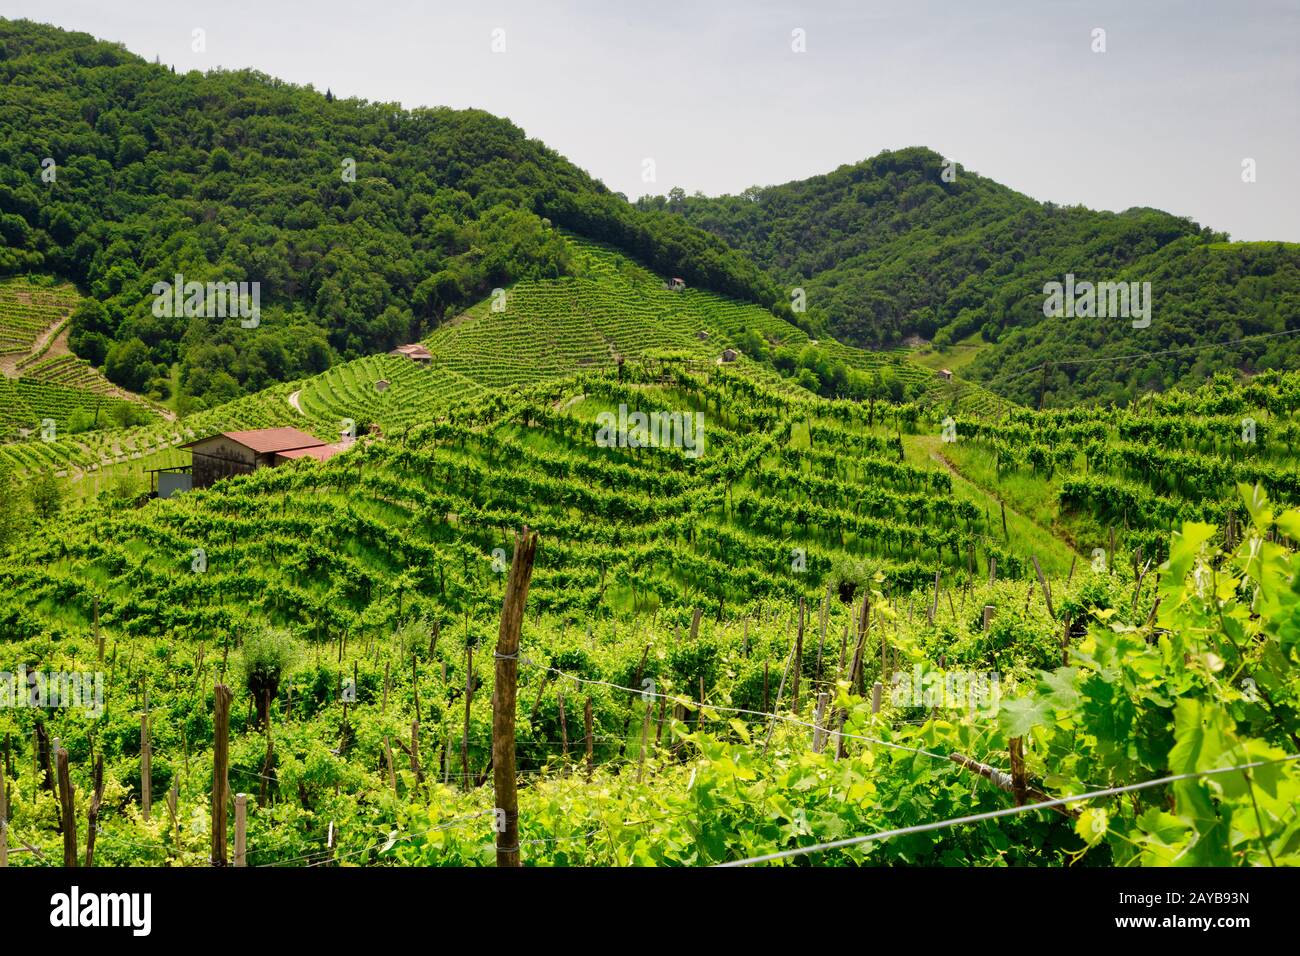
{"type": "Point", "coordinates": [146, 763]}
{"type": "Point", "coordinates": [819, 733]}
{"type": "Point", "coordinates": [173, 801]}
{"type": "Point", "coordinates": [4, 817]}
{"type": "Point", "coordinates": [241, 829]}
{"type": "Point", "coordinates": [469, 699]}
{"type": "Point", "coordinates": [504, 698]}
{"type": "Point", "coordinates": [92, 814]}
{"type": "Point", "coordinates": [220, 767]}
{"type": "Point", "coordinates": [645, 734]}
{"type": "Point", "coordinates": [1042, 582]}
{"type": "Point", "coordinates": [798, 656]}
{"type": "Point", "coordinates": [586, 723]}
{"type": "Point", "coordinates": [66, 808]}
{"type": "Point", "coordinates": [388, 759]}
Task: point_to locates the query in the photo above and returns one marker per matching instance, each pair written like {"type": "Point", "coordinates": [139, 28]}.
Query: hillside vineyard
{"type": "Point", "coordinates": [523, 525]}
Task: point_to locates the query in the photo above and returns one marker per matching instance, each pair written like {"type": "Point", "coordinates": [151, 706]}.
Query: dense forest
{"type": "Point", "coordinates": [905, 244]}
{"type": "Point", "coordinates": [364, 224]}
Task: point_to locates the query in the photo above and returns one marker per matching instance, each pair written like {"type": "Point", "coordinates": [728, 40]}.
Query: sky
{"type": "Point", "coordinates": [717, 95]}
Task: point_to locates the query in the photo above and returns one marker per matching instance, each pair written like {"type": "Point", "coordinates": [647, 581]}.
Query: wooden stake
{"type": "Point", "coordinates": [934, 603]}
{"type": "Point", "coordinates": [1042, 582]}
{"type": "Point", "coordinates": [173, 801]}
{"type": "Point", "coordinates": [146, 764]}
{"type": "Point", "coordinates": [469, 699]}
{"type": "Point", "coordinates": [564, 729]}
{"type": "Point", "coordinates": [92, 814]}
{"type": "Point", "coordinates": [819, 734]}
{"type": "Point", "coordinates": [988, 615]}
{"type": "Point", "coordinates": [645, 733]}
{"type": "Point", "coordinates": [388, 760]}
{"type": "Point", "coordinates": [4, 818]}
{"type": "Point", "coordinates": [220, 767]}
{"type": "Point", "coordinates": [586, 723]}
{"type": "Point", "coordinates": [241, 829]}
{"type": "Point", "coordinates": [504, 696]}
{"type": "Point", "coordinates": [67, 812]}
{"type": "Point", "coordinates": [798, 657]}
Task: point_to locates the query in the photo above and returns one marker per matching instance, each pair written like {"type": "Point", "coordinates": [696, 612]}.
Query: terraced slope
{"type": "Point", "coordinates": [319, 548]}
{"type": "Point", "coordinates": [547, 329]}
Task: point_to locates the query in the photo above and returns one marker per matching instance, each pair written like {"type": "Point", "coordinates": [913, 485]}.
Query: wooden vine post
{"type": "Point", "coordinates": [798, 656]}
{"type": "Point", "coordinates": [92, 814]}
{"type": "Point", "coordinates": [241, 829]}
{"type": "Point", "coordinates": [504, 697]}
{"type": "Point", "coordinates": [586, 722]}
{"type": "Point", "coordinates": [4, 817]}
{"type": "Point", "coordinates": [220, 764]}
{"type": "Point", "coordinates": [66, 809]}
{"type": "Point", "coordinates": [146, 761]}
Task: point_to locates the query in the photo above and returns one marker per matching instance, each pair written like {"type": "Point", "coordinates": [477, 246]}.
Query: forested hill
{"type": "Point", "coordinates": [236, 176]}
{"type": "Point", "coordinates": [889, 248]}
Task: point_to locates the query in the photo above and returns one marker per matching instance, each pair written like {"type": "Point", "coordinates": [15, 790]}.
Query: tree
{"type": "Point", "coordinates": [46, 495]}
{"type": "Point", "coordinates": [128, 364]}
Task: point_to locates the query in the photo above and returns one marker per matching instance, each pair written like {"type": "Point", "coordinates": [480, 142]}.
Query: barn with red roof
{"type": "Point", "coordinates": [238, 453]}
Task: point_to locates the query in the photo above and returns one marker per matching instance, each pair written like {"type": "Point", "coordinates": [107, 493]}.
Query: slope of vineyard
{"type": "Point", "coordinates": [539, 329]}
{"type": "Point", "coordinates": [714, 611]}
{"type": "Point", "coordinates": [40, 387]}
{"type": "Point", "coordinates": [1175, 457]}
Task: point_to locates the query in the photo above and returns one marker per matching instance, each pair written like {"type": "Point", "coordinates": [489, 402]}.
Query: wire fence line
{"type": "Point", "coordinates": [688, 702]}
{"type": "Point", "coordinates": [1006, 812]}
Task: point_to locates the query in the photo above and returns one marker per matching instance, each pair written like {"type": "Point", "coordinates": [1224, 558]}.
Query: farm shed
{"type": "Point", "coordinates": [238, 453]}
{"type": "Point", "coordinates": [729, 355]}
{"type": "Point", "coordinates": [416, 353]}
{"type": "Point", "coordinates": [945, 374]}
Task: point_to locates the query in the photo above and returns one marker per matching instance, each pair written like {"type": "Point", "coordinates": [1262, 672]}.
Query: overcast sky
{"type": "Point", "coordinates": [714, 93]}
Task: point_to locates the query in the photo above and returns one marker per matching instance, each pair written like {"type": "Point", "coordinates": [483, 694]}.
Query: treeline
{"type": "Point", "coordinates": [364, 224]}
{"type": "Point", "coordinates": [890, 248]}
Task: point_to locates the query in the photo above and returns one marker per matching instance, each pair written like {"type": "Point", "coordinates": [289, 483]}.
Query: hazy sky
{"type": "Point", "coordinates": [713, 92]}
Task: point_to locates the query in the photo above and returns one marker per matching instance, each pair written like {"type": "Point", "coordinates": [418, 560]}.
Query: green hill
{"type": "Point", "coordinates": [888, 248]}
{"type": "Point", "coordinates": [364, 225]}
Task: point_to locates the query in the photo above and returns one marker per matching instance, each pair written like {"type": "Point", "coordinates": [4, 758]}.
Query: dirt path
{"type": "Point", "coordinates": [934, 450]}
{"type": "Point", "coordinates": [9, 363]}
{"type": "Point", "coordinates": [293, 400]}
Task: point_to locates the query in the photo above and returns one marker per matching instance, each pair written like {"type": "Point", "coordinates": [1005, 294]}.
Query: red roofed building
{"type": "Point", "coordinates": [416, 353]}
{"type": "Point", "coordinates": [238, 453]}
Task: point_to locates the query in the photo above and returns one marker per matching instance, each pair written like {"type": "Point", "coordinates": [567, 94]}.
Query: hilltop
{"type": "Point", "coordinates": [364, 225]}
{"type": "Point", "coordinates": [909, 244]}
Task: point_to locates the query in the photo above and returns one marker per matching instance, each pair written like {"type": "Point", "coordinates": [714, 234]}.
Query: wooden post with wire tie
{"type": "Point", "coordinates": [506, 660]}
{"type": "Point", "coordinates": [1004, 781]}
